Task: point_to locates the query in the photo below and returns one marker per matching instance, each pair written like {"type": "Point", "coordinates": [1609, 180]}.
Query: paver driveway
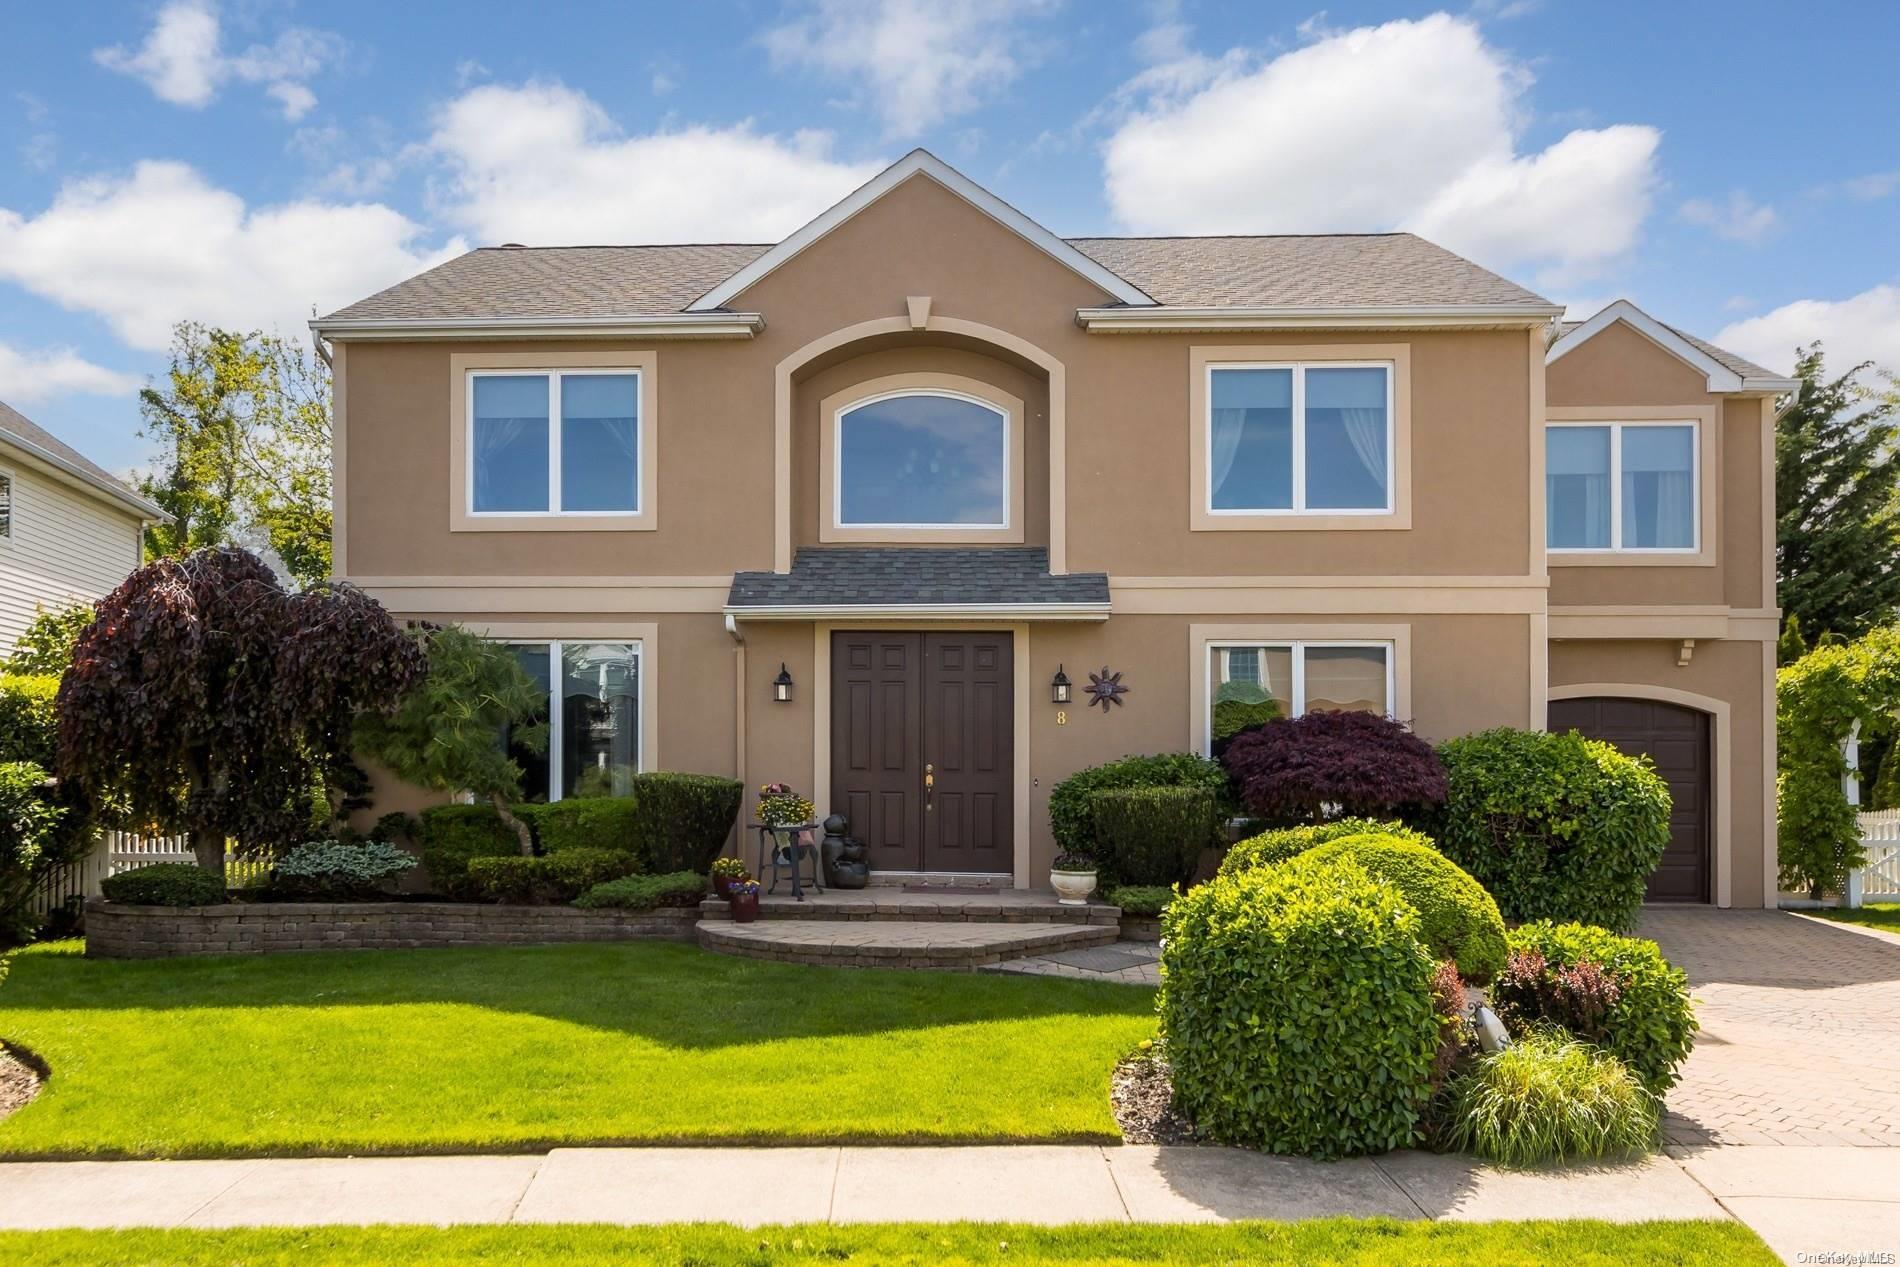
{"type": "Point", "coordinates": [1800, 1040]}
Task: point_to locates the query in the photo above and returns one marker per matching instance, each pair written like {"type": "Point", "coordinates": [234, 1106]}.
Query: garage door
{"type": "Point", "coordinates": [1677, 740]}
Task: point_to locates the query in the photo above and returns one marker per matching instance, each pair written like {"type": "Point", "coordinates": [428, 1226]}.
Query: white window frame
{"type": "Point", "coordinates": [1299, 507]}
{"type": "Point", "coordinates": [555, 710]}
{"type": "Point", "coordinates": [12, 500]}
{"type": "Point", "coordinates": [554, 377]}
{"type": "Point", "coordinates": [837, 463]}
{"type": "Point", "coordinates": [1616, 427]}
{"type": "Point", "coordinates": [1299, 646]}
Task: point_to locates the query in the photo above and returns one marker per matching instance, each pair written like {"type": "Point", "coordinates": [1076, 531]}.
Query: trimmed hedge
{"type": "Point", "coordinates": [1270, 848]}
{"type": "Point", "coordinates": [1152, 835]}
{"type": "Point", "coordinates": [454, 835]}
{"type": "Point", "coordinates": [555, 878]}
{"type": "Point", "coordinates": [1457, 918]}
{"type": "Point", "coordinates": [164, 884]}
{"type": "Point", "coordinates": [1298, 1011]}
{"type": "Point", "coordinates": [1145, 900]}
{"type": "Point", "coordinates": [1071, 816]}
{"type": "Point", "coordinates": [686, 818]}
{"type": "Point", "coordinates": [588, 822]}
{"type": "Point", "coordinates": [1555, 827]}
{"type": "Point", "coordinates": [1650, 1023]}
{"type": "Point", "coordinates": [28, 731]}
{"type": "Point", "coordinates": [645, 892]}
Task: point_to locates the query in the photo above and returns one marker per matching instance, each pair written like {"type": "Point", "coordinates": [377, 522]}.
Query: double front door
{"type": "Point", "coordinates": [923, 748]}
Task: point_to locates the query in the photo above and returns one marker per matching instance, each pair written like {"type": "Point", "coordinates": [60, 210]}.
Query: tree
{"type": "Point", "coordinates": [209, 701]}
{"type": "Point", "coordinates": [1791, 646]}
{"type": "Point", "coordinates": [45, 647]}
{"type": "Point", "coordinates": [1836, 477]}
{"type": "Point", "coordinates": [1333, 764]}
{"type": "Point", "coordinates": [446, 735]}
{"type": "Point", "coordinates": [39, 830]}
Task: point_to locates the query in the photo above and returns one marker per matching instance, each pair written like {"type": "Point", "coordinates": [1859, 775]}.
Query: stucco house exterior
{"type": "Point", "coordinates": [69, 531]}
{"type": "Point", "coordinates": [843, 510]}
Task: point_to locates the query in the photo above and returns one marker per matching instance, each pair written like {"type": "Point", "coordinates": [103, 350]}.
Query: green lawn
{"type": "Point", "coordinates": [1346, 1241]}
{"type": "Point", "coordinates": [525, 1047]}
{"type": "Point", "coordinates": [1882, 915]}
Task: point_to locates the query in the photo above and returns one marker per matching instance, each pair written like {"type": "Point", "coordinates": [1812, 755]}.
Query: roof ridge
{"type": "Point", "coordinates": [1235, 237]}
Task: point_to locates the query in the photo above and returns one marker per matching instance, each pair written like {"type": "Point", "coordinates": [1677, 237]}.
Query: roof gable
{"type": "Point", "coordinates": [22, 435]}
{"type": "Point", "coordinates": [922, 163]}
{"type": "Point", "coordinates": [1724, 372]}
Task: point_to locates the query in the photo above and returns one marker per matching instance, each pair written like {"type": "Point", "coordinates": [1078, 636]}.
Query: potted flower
{"type": "Point", "coordinates": [1072, 875]}
{"type": "Point", "coordinates": [724, 872]}
{"type": "Point", "coordinates": [743, 896]}
{"type": "Point", "coordinates": [780, 806]}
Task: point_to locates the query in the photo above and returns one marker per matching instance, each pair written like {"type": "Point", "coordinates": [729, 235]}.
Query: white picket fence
{"type": "Point", "coordinates": [119, 851]}
{"type": "Point", "coordinates": [1879, 879]}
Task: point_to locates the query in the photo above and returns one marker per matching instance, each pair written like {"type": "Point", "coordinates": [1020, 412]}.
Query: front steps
{"type": "Point", "coordinates": [1005, 906]}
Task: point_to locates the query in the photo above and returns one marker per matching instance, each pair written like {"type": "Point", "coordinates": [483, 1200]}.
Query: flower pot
{"type": "Point", "coordinates": [1072, 887]}
{"type": "Point", "coordinates": [721, 883]}
{"type": "Point", "coordinates": [745, 907]}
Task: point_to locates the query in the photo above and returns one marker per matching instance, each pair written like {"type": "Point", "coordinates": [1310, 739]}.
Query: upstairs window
{"type": "Point", "coordinates": [557, 443]}
{"type": "Point", "coordinates": [6, 506]}
{"type": "Point", "coordinates": [1299, 439]}
{"type": "Point", "coordinates": [1623, 486]}
{"type": "Point", "coordinates": [922, 460]}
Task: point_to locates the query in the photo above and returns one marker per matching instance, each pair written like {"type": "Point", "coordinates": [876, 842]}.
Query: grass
{"type": "Point", "coordinates": [519, 1048]}
{"type": "Point", "coordinates": [1580, 1243]}
{"type": "Point", "coordinates": [1548, 1098]}
{"type": "Point", "coordinates": [1882, 915]}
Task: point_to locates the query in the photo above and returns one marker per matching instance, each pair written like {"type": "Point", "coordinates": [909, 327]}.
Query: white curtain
{"type": "Point", "coordinates": [1228, 427]}
{"type": "Point", "coordinates": [494, 437]}
{"type": "Point", "coordinates": [1365, 429]}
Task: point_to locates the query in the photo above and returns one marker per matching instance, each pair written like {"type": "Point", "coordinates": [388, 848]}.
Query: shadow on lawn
{"type": "Point", "coordinates": [676, 996]}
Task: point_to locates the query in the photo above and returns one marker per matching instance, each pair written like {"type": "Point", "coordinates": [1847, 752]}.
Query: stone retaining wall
{"type": "Point", "coordinates": [117, 931]}
{"type": "Point", "coordinates": [1141, 927]}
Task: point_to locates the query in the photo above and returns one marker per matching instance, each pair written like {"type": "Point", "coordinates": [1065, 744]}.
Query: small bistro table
{"type": "Point", "coordinates": [781, 845]}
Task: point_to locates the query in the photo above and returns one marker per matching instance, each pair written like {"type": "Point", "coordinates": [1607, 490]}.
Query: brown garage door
{"type": "Point", "coordinates": [1677, 740]}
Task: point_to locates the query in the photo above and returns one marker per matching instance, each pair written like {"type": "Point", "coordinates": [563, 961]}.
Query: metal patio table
{"type": "Point", "coordinates": [784, 845]}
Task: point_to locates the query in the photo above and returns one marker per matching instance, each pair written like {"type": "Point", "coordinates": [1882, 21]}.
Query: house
{"type": "Point", "coordinates": [69, 532]}
{"type": "Point", "coordinates": [848, 510]}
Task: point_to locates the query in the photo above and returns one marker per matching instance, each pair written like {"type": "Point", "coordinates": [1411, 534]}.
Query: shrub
{"type": "Point", "coordinates": [43, 825]}
{"type": "Point", "coordinates": [1297, 1006]}
{"type": "Point", "coordinates": [1239, 706]}
{"type": "Point", "coordinates": [1278, 844]}
{"type": "Point", "coordinates": [453, 835]}
{"type": "Point", "coordinates": [1549, 1098]}
{"type": "Point", "coordinates": [28, 730]}
{"type": "Point", "coordinates": [1650, 1022]}
{"type": "Point", "coordinates": [333, 869]}
{"type": "Point", "coordinates": [1143, 900]}
{"type": "Point", "coordinates": [45, 646]}
{"type": "Point", "coordinates": [1456, 1035]}
{"type": "Point", "coordinates": [685, 819]}
{"type": "Point", "coordinates": [644, 892]}
{"type": "Point", "coordinates": [1457, 919]}
{"type": "Point", "coordinates": [1152, 835]}
{"type": "Point", "coordinates": [1071, 816]}
{"type": "Point", "coordinates": [164, 884]}
{"type": "Point", "coordinates": [591, 822]}
{"type": "Point", "coordinates": [1555, 827]}
{"type": "Point", "coordinates": [1301, 769]}
{"type": "Point", "coordinates": [558, 877]}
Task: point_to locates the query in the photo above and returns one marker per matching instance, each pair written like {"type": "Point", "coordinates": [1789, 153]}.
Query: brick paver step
{"type": "Point", "coordinates": [943, 944]}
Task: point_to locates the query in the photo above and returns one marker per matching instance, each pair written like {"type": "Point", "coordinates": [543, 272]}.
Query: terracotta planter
{"type": "Point", "coordinates": [745, 907]}
{"type": "Point", "coordinates": [1072, 887]}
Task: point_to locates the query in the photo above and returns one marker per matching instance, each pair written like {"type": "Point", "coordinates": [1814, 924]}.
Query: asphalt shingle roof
{"type": "Point", "coordinates": [883, 576]}
{"type": "Point", "coordinates": [1728, 360]}
{"type": "Point", "coordinates": [17, 427]}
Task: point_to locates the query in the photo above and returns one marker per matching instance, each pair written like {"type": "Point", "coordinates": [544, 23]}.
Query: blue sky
{"type": "Point", "coordinates": [1735, 170]}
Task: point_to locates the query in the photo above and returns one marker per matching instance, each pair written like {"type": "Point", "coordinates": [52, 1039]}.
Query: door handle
{"type": "Point", "coordinates": [930, 784]}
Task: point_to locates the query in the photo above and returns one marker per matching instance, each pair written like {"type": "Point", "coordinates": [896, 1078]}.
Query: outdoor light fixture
{"type": "Point", "coordinates": [782, 684]}
{"type": "Point", "coordinates": [1059, 687]}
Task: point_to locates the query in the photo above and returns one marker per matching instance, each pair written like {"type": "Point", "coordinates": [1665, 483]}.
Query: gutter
{"type": "Point", "coordinates": [1130, 320]}
{"type": "Point", "coordinates": [676, 325]}
{"type": "Point", "coordinates": [1092, 612]}
{"type": "Point", "coordinates": [110, 487]}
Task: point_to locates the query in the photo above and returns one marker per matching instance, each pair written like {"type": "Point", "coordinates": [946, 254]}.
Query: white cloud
{"type": "Point", "coordinates": [1872, 188]}
{"type": "Point", "coordinates": [1738, 219]}
{"type": "Point", "coordinates": [543, 164]}
{"type": "Point", "coordinates": [1863, 327]}
{"type": "Point", "coordinates": [27, 376]}
{"type": "Point", "coordinates": [1407, 125]}
{"type": "Point", "coordinates": [923, 60]}
{"type": "Point", "coordinates": [161, 245]}
{"type": "Point", "coordinates": [182, 60]}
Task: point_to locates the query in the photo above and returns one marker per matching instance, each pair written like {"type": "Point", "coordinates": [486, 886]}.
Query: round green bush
{"type": "Point", "coordinates": [1651, 1024]}
{"type": "Point", "coordinates": [1549, 1098]}
{"type": "Point", "coordinates": [164, 884]}
{"type": "Point", "coordinates": [1152, 835]}
{"type": "Point", "coordinates": [1270, 848]}
{"type": "Point", "coordinates": [1456, 918]}
{"type": "Point", "coordinates": [27, 726]}
{"type": "Point", "coordinates": [1297, 1006]}
{"type": "Point", "coordinates": [1553, 826]}
{"type": "Point", "coordinates": [1071, 818]}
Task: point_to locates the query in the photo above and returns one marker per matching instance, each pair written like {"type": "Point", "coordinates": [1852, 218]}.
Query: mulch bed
{"type": "Point", "coordinates": [1143, 1098]}
{"type": "Point", "coordinates": [18, 1084]}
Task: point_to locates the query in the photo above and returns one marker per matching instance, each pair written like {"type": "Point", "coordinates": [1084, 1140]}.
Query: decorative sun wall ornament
{"type": "Point", "coordinates": [1106, 689]}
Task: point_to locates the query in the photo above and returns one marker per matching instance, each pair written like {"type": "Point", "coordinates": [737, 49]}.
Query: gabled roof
{"type": "Point", "coordinates": [914, 164]}
{"type": "Point", "coordinates": [920, 581]}
{"type": "Point", "coordinates": [22, 434]}
{"type": "Point", "coordinates": [1726, 372]}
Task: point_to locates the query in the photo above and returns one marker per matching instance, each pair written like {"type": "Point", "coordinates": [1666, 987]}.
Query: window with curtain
{"type": "Point", "coordinates": [1248, 683]}
{"type": "Point", "coordinates": [563, 442]}
{"type": "Point", "coordinates": [1620, 486]}
{"type": "Point", "coordinates": [594, 735]}
{"type": "Point", "coordinates": [1299, 438]}
{"type": "Point", "coordinates": [924, 459]}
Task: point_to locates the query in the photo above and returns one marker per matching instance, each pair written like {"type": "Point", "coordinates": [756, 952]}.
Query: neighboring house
{"type": "Point", "coordinates": [842, 510]}
{"type": "Point", "coordinates": [69, 532]}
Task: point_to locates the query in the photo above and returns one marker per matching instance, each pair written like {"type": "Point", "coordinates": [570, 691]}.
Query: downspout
{"type": "Point", "coordinates": [738, 706]}
{"type": "Point", "coordinates": [316, 341]}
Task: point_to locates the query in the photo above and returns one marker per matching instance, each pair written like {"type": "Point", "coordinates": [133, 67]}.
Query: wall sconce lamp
{"type": "Point", "coordinates": [782, 685]}
{"type": "Point", "coordinates": [1059, 687]}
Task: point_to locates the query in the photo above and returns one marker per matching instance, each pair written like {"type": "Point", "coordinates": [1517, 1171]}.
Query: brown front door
{"type": "Point", "coordinates": [1677, 740]}
{"type": "Point", "coordinates": [923, 748]}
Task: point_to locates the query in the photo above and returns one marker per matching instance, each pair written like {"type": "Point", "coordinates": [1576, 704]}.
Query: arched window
{"type": "Point", "coordinates": [922, 459]}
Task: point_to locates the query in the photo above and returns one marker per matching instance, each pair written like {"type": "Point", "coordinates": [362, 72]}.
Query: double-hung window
{"type": "Point", "coordinates": [591, 702]}
{"type": "Point", "coordinates": [1622, 486]}
{"type": "Point", "coordinates": [1299, 438]}
{"type": "Point", "coordinates": [1249, 682]}
{"type": "Point", "coordinates": [556, 442]}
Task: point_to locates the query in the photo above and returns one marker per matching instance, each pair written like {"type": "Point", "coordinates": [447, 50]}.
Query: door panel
{"type": "Point", "coordinates": [969, 745]}
{"type": "Point", "coordinates": [1677, 740]}
{"type": "Point", "coordinates": [876, 770]}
